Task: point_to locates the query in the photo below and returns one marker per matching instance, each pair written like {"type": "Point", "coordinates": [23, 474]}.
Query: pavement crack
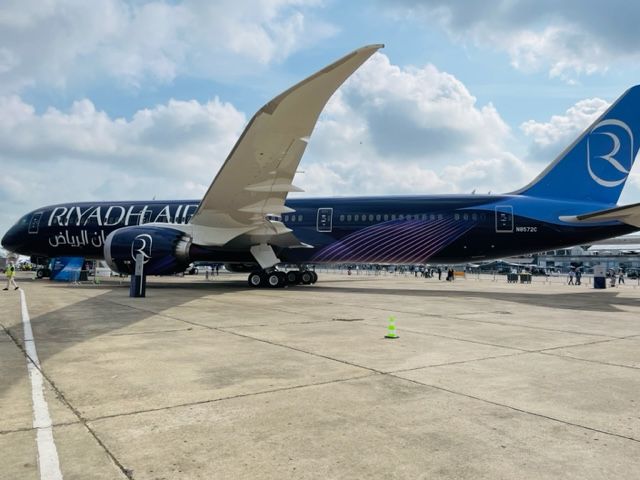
{"type": "Point", "coordinates": [599, 362]}
{"type": "Point", "coordinates": [230, 397]}
{"type": "Point", "coordinates": [127, 473]}
{"type": "Point", "coordinates": [33, 429]}
{"type": "Point", "coordinates": [520, 410]}
{"type": "Point", "coordinates": [257, 339]}
{"type": "Point", "coordinates": [459, 362]}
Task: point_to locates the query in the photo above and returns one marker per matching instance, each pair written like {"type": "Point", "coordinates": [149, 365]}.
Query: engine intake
{"type": "Point", "coordinates": [165, 250]}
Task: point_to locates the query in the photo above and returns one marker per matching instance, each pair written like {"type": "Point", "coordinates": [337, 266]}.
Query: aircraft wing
{"type": "Point", "coordinates": [629, 214]}
{"type": "Point", "coordinates": [258, 173]}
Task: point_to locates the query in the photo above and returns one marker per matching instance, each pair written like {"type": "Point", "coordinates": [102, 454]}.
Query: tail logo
{"type": "Point", "coordinates": [142, 244]}
{"type": "Point", "coordinates": [614, 129]}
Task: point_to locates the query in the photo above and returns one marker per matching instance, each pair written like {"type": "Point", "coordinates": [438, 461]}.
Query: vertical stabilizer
{"type": "Point", "coordinates": [596, 166]}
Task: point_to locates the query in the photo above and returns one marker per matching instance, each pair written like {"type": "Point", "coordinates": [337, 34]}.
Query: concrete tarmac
{"type": "Point", "coordinates": [210, 379]}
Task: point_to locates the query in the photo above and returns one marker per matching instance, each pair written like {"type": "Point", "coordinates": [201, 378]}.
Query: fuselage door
{"type": "Point", "coordinates": [504, 218]}
{"type": "Point", "coordinates": [34, 224]}
{"type": "Point", "coordinates": [325, 219]}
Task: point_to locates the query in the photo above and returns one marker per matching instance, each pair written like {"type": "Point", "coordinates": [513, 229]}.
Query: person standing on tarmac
{"type": "Point", "coordinates": [10, 273]}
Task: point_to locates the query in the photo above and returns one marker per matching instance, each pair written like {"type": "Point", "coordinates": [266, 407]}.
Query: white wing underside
{"type": "Point", "coordinates": [258, 173]}
{"type": "Point", "coordinates": [629, 214]}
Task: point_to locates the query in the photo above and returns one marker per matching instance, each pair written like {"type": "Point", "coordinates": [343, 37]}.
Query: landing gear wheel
{"type": "Point", "coordinates": [276, 279]}
{"type": "Point", "coordinates": [40, 273]}
{"type": "Point", "coordinates": [256, 279]}
{"type": "Point", "coordinates": [293, 277]}
{"type": "Point", "coordinates": [315, 277]}
{"type": "Point", "coordinates": [306, 278]}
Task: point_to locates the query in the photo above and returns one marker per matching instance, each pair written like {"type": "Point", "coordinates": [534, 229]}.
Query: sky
{"type": "Point", "coordinates": [127, 100]}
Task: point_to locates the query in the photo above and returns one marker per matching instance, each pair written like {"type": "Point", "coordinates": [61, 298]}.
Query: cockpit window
{"type": "Point", "coordinates": [24, 220]}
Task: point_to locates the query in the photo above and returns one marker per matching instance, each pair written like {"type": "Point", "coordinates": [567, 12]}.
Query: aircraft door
{"type": "Point", "coordinates": [325, 219]}
{"type": "Point", "coordinates": [34, 224]}
{"type": "Point", "coordinates": [504, 219]}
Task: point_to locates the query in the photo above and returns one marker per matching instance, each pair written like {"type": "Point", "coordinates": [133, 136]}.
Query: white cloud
{"type": "Point", "coordinates": [408, 131]}
{"type": "Point", "coordinates": [388, 130]}
{"type": "Point", "coordinates": [567, 39]}
{"type": "Point", "coordinates": [550, 138]}
{"type": "Point", "coordinates": [55, 42]}
{"type": "Point", "coordinates": [169, 151]}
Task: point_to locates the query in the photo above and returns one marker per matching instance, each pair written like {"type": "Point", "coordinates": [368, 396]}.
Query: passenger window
{"type": "Point", "coordinates": [378, 217]}
{"type": "Point", "coordinates": [342, 218]}
{"type": "Point", "coordinates": [286, 218]}
{"type": "Point", "coordinates": [393, 216]}
{"type": "Point", "coordinates": [356, 217]}
{"type": "Point", "coordinates": [299, 218]}
{"type": "Point", "coordinates": [424, 216]}
{"type": "Point", "coordinates": [386, 217]}
{"type": "Point", "coordinates": [348, 218]}
{"type": "Point", "coordinates": [456, 216]}
{"type": "Point", "coordinates": [474, 216]}
{"type": "Point", "coordinates": [401, 216]}
{"type": "Point", "coordinates": [371, 218]}
{"type": "Point", "coordinates": [432, 217]}
{"type": "Point", "coordinates": [465, 216]}
{"type": "Point", "coordinates": [439, 216]}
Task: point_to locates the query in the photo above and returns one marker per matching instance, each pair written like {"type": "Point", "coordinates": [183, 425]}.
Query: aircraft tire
{"type": "Point", "coordinates": [314, 276]}
{"type": "Point", "coordinates": [40, 273]}
{"type": "Point", "coordinates": [276, 279]}
{"type": "Point", "coordinates": [306, 278]}
{"type": "Point", "coordinates": [256, 280]}
{"type": "Point", "coordinates": [293, 277]}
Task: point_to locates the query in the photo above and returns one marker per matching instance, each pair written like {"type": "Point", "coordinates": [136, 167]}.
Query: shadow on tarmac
{"type": "Point", "coordinates": [113, 309]}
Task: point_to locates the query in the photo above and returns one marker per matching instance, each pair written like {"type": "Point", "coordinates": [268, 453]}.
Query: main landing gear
{"type": "Point", "coordinates": [277, 279]}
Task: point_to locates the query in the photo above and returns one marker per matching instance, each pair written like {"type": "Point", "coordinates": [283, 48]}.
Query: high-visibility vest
{"type": "Point", "coordinates": [10, 271]}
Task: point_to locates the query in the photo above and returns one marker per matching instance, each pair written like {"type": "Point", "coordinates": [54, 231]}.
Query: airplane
{"type": "Point", "coordinates": [246, 221]}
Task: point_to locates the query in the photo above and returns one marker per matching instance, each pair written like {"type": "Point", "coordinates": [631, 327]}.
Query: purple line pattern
{"type": "Point", "coordinates": [396, 241]}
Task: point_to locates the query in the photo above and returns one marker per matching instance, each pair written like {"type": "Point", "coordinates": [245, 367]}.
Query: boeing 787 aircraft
{"type": "Point", "coordinates": [246, 221]}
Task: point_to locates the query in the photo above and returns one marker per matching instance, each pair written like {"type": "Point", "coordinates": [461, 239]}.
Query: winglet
{"type": "Point", "coordinates": [352, 61]}
{"type": "Point", "coordinates": [258, 173]}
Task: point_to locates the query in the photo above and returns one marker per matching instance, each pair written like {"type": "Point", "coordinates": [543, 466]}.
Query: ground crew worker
{"type": "Point", "coordinates": [10, 272]}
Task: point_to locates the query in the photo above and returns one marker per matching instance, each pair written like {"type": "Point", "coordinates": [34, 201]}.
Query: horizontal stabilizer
{"type": "Point", "coordinates": [629, 214]}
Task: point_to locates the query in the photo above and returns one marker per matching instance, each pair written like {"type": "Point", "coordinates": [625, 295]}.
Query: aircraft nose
{"type": "Point", "coordinates": [10, 240]}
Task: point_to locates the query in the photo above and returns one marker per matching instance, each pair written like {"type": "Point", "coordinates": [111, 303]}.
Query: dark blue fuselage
{"type": "Point", "coordinates": [393, 230]}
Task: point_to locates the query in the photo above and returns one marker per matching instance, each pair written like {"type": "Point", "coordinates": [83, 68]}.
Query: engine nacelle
{"type": "Point", "coordinates": [165, 250]}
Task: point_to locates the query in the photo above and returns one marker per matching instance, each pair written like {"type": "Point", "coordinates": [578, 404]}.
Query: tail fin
{"type": "Point", "coordinates": [596, 166]}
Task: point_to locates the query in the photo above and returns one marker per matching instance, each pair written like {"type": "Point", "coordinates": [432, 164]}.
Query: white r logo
{"type": "Point", "coordinates": [610, 157]}
{"type": "Point", "coordinates": [142, 244]}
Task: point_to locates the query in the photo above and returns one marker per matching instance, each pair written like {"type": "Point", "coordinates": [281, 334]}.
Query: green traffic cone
{"type": "Point", "coordinates": [391, 329]}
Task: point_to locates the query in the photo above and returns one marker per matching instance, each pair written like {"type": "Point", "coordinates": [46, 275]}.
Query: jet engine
{"type": "Point", "coordinates": [164, 250]}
